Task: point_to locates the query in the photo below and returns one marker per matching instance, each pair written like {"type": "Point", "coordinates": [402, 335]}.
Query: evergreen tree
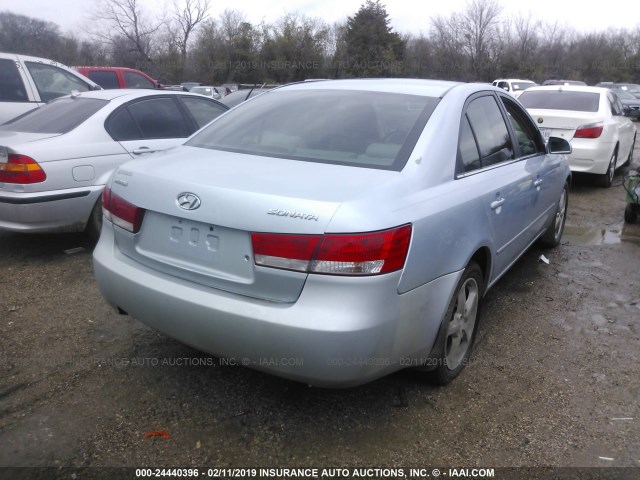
{"type": "Point", "coordinates": [373, 49]}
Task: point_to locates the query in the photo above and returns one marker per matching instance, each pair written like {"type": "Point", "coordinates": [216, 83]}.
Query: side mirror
{"type": "Point", "coordinates": [558, 146]}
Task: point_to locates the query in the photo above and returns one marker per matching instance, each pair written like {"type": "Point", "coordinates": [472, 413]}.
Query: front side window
{"type": "Point", "coordinates": [59, 116]}
{"type": "Point", "coordinates": [106, 79]}
{"type": "Point", "coordinates": [525, 131]}
{"type": "Point", "coordinates": [11, 86]}
{"type": "Point", "coordinates": [53, 82]}
{"type": "Point", "coordinates": [357, 128]}
{"type": "Point", "coordinates": [202, 110]}
{"type": "Point", "coordinates": [490, 131]}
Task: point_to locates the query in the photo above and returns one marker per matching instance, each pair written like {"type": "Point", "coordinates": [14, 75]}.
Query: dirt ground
{"type": "Point", "coordinates": [554, 379]}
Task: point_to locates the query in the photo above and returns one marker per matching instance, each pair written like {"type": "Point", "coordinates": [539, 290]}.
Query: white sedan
{"type": "Point", "coordinates": [592, 119]}
{"type": "Point", "coordinates": [55, 160]}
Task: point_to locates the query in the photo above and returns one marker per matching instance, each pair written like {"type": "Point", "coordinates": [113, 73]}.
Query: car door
{"type": "Point", "coordinates": [530, 149]}
{"type": "Point", "coordinates": [624, 125]}
{"type": "Point", "coordinates": [488, 162]}
{"type": "Point", "coordinates": [149, 124]}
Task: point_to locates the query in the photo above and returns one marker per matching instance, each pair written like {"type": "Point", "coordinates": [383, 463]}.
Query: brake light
{"type": "Point", "coordinates": [120, 212]}
{"type": "Point", "coordinates": [334, 254]}
{"type": "Point", "coordinates": [21, 169]}
{"type": "Point", "coordinates": [593, 130]}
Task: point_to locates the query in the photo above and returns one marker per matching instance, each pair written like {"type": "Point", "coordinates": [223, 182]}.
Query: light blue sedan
{"type": "Point", "coordinates": [332, 232]}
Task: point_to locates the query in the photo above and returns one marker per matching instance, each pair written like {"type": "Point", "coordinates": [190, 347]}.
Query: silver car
{"type": "Point", "coordinates": [55, 160]}
{"type": "Point", "coordinates": [332, 232]}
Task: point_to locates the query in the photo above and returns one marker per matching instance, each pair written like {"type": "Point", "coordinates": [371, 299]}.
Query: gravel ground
{"type": "Point", "coordinates": [553, 380]}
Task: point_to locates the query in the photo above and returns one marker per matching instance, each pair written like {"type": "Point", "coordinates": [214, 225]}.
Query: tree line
{"type": "Point", "coordinates": [186, 42]}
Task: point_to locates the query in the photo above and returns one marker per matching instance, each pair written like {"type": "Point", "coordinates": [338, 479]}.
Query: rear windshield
{"type": "Point", "coordinates": [523, 85]}
{"type": "Point", "coordinates": [364, 129]}
{"type": "Point", "coordinates": [59, 116]}
{"type": "Point", "coordinates": [561, 100]}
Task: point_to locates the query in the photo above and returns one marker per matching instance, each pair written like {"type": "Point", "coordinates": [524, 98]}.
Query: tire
{"type": "Point", "coordinates": [552, 236]}
{"type": "Point", "coordinates": [630, 157]}
{"type": "Point", "coordinates": [606, 179]}
{"type": "Point", "coordinates": [631, 213]}
{"type": "Point", "coordinates": [94, 224]}
{"type": "Point", "coordinates": [461, 324]}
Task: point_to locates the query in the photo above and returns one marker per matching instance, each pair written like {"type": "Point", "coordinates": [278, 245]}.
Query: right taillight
{"type": "Point", "coordinates": [21, 169]}
{"type": "Point", "coordinates": [592, 130]}
{"type": "Point", "coordinates": [120, 212]}
{"type": "Point", "coordinates": [370, 253]}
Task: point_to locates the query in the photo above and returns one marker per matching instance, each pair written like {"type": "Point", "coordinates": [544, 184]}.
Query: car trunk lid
{"type": "Point", "coordinates": [225, 197]}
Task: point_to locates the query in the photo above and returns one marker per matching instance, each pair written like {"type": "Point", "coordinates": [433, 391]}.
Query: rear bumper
{"type": "Point", "coordinates": [53, 211]}
{"type": "Point", "coordinates": [590, 156]}
{"type": "Point", "coordinates": [341, 332]}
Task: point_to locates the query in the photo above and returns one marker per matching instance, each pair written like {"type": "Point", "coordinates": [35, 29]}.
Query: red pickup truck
{"type": "Point", "coordinates": [118, 77]}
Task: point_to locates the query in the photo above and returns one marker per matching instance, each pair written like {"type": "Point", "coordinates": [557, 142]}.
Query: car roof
{"type": "Point", "coordinates": [127, 93]}
{"type": "Point", "coordinates": [429, 88]}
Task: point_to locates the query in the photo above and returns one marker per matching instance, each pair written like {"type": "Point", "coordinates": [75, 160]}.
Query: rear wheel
{"type": "Point", "coordinates": [461, 322]}
{"type": "Point", "coordinates": [553, 234]}
{"type": "Point", "coordinates": [606, 179]}
{"type": "Point", "coordinates": [94, 225]}
{"type": "Point", "coordinates": [630, 157]}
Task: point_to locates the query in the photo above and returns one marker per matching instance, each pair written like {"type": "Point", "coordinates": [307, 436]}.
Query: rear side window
{"type": "Point", "coordinates": [11, 86]}
{"type": "Point", "coordinates": [560, 100]}
{"type": "Point", "coordinates": [59, 116]}
{"type": "Point", "coordinates": [107, 80]}
{"type": "Point", "coordinates": [122, 127]}
{"type": "Point", "coordinates": [203, 110]}
{"type": "Point", "coordinates": [53, 82]}
{"type": "Point", "coordinates": [159, 118]}
{"type": "Point", "coordinates": [135, 80]}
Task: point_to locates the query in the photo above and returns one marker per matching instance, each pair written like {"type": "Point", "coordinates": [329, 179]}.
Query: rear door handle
{"type": "Point", "coordinates": [497, 203]}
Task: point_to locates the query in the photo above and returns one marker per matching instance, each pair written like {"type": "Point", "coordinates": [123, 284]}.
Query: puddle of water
{"type": "Point", "coordinates": [614, 234]}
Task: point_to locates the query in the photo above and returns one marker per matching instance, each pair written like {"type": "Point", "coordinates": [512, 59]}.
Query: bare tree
{"type": "Point", "coordinates": [187, 16]}
{"type": "Point", "coordinates": [127, 19]}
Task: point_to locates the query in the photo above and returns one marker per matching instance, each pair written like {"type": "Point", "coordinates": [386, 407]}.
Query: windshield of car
{"type": "Point", "coordinates": [58, 116]}
{"type": "Point", "coordinates": [624, 95]}
{"type": "Point", "coordinates": [560, 100]}
{"type": "Point", "coordinates": [628, 87]}
{"type": "Point", "coordinates": [203, 90]}
{"type": "Point", "coordinates": [523, 85]}
{"type": "Point", "coordinates": [364, 129]}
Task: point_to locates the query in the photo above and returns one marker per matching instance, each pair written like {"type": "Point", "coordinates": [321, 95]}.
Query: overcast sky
{"type": "Point", "coordinates": [407, 16]}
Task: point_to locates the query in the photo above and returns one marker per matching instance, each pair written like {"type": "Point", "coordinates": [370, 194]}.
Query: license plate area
{"type": "Point", "coordinates": [546, 133]}
{"type": "Point", "coordinates": [196, 247]}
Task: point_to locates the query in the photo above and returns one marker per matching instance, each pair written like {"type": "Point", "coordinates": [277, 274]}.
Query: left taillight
{"type": "Point", "coordinates": [120, 212]}
{"type": "Point", "coordinates": [21, 169]}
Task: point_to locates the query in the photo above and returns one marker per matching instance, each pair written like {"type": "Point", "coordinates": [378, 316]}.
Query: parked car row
{"type": "Point", "coordinates": [55, 160]}
{"type": "Point", "coordinates": [28, 82]}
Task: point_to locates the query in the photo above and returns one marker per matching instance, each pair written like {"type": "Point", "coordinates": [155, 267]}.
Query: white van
{"type": "Point", "coordinates": [28, 82]}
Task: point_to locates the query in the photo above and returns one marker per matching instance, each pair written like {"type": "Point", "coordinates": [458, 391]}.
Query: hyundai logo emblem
{"type": "Point", "coordinates": [188, 201]}
{"type": "Point", "coordinates": [540, 120]}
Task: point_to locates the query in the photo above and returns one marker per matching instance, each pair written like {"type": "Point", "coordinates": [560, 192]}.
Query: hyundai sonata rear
{"type": "Point", "coordinates": [325, 232]}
